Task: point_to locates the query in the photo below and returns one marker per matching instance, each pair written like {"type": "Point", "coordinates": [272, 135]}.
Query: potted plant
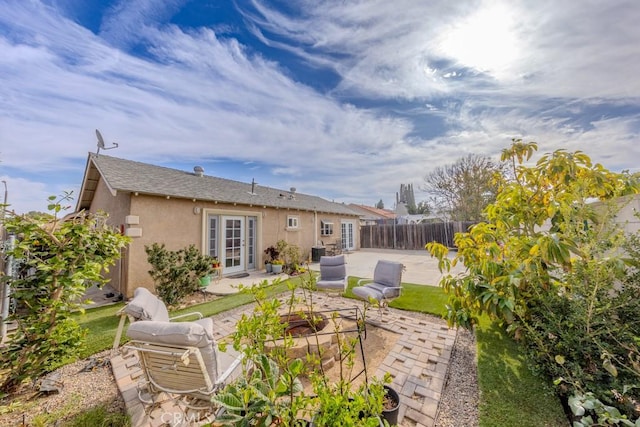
{"type": "Point", "coordinates": [200, 265]}
{"type": "Point", "coordinates": [262, 398]}
{"type": "Point", "coordinates": [390, 405]}
{"type": "Point", "coordinates": [216, 267]}
{"type": "Point", "coordinates": [276, 266]}
{"type": "Point", "coordinates": [272, 254]}
{"type": "Point", "coordinates": [269, 393]}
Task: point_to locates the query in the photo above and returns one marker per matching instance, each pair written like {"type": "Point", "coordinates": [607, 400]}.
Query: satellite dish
{"type": "Point", "coordinates": [101, 143]}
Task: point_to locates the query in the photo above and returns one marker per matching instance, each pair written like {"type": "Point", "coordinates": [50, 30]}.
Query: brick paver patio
{"type": "Point", "coordinates": [418, 364]}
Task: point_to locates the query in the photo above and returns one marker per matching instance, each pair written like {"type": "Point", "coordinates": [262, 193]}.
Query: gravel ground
{"type": "Point", "coordinates": [459, 402]}
{"type": "Point", "coordinates": [82, 390]}
{"type": "Point", "coordinates": [79, 391]}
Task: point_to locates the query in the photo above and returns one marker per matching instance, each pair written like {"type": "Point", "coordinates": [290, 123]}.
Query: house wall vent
{"type": "Point", "coordinates": [198, 170]}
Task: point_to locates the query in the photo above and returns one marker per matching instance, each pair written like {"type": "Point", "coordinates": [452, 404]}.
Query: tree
{"type": "Point", "coordinates": [461, 190]}
{"type": "Point", "coordinates": [557, 272]}
{"type": "Point", "coordinates": [380, 204]}
{"type": "Point", "coordinates": [422, 208]}
{"type": "Point", "coordinates": [59, 259]}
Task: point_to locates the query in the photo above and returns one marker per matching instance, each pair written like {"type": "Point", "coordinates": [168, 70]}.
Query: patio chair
{"type": "Point", "coordinates": [385, 286]}
{"type": "Point", "coordinates": [180, 359]}
{"type": "Point", "coordinates": [334, 248]}
{"type": "Point", "coordinates": [145, 306]}
{"type": "Point", "coordinates": [333, 273]}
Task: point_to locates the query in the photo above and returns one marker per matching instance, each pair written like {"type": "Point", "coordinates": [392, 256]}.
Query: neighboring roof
{"type": "Point", "coordinates": [372, 212]}
{"type": "Point", "coordinates": [127, 176]}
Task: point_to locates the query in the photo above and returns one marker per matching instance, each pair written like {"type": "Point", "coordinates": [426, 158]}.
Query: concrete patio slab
{"type": "Point", "coordinates": [420, 269]}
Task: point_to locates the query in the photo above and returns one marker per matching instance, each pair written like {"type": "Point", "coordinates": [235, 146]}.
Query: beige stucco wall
{"type": "Point", "coordinates": [179, 223]}
{"type": "Point", "coordinates": [117, 207]}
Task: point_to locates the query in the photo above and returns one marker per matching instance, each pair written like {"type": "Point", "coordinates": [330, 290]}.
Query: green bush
{"type": "Point", "coordinates": [586, 337]}
{"type": "Point", "coordinates": [177, 273]}
{"type": "Point", "coordinates": [550, 266]}
{"type": "Point", "coordinates": [58, 260]}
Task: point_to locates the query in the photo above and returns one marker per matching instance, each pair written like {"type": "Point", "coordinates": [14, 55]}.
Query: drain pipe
{"type": "Point", "coordinates": [315, 228]}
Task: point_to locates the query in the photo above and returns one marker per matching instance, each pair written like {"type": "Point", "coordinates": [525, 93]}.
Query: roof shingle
{"type": "Point", "coordinates": [131, 176]}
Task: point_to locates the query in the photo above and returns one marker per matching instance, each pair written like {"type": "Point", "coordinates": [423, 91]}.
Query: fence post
{"type": "Point", "coordinates": [6, 290]}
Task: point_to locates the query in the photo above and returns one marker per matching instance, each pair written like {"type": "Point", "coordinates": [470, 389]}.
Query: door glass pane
{"type": "Point", "coordinates": [233, 242]}
{"type": "Point", "coordinates": [251, 242]}
{"type": "Point", "coordinates": [213, 236]}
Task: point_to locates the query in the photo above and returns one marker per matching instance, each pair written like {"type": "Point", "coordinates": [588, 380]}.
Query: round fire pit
{"type": "Point", "coordinates": [312, 334]}
{"type": "Point", "coordinates": [303, 324]}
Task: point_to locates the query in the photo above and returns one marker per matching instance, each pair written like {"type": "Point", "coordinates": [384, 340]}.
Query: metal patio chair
{"type": "Point", "coordinates": [385, 285]}
{"type": "Point", "coordinates": [145, 306]}
{"type": "Point", "coordinates": [180, 361]}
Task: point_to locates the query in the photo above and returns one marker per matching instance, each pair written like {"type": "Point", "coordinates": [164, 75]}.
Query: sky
{"type": "Point", "coordinates": [343, 99]}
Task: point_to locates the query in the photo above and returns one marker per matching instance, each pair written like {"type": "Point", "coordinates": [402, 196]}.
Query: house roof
{"type": "Point", "coordinates": [128, 176]}
{"type": "Point", "coordinates": [371, 212]}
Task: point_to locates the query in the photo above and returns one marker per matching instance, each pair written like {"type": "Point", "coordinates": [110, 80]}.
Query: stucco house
{"type": "Point", "coordinates": [372, 216]}
{"type": "Point", "coordinates": [231, 220]}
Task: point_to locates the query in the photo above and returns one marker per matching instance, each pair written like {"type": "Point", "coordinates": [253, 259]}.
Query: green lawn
{"type": "Point", "coordinates": [509, 394]}
{"type": "Point", "coordinates": [420, 298]}
{"type": "Point", "coordinates": [102, 322]}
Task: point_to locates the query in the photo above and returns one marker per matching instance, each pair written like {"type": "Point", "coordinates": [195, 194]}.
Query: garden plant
{"type": "Point", "coordinates": [177, 273]}
{"type": "Point", "coordinates": [553, 267]}
{"type": "Point", "coordinates": [57, 260]}
{"type": "Point", "coordinates": [271, 391]}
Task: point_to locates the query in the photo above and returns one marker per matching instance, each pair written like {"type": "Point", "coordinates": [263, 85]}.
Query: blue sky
{"type": "Point", "coordinates": [343, 99]}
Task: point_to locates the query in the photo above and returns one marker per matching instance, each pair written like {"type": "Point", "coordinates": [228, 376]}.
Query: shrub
{"type": "Point", "coordinates": [176, 273]}
{"type": "Point", "coordinates": [548, 264]}
{"type": "Point", "coordinates": [58, 260]}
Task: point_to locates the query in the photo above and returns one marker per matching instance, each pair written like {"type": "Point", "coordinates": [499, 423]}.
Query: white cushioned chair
{"type": "Point", "coordinates": [181, 359]}
{"type": "Point", "coordinates": [145, 306]}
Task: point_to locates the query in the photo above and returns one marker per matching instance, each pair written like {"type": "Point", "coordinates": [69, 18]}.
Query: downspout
{"type": "Point", "coordinates": [315, 228]}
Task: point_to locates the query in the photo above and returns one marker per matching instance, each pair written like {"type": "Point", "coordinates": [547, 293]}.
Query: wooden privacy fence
{"type": "Point", "coordinates": [410, 236]}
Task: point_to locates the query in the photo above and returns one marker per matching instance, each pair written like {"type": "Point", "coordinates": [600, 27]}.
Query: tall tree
{"type": "Point", "coordinates": [463, 189]}
{"type": "Point", "coordinates": [380, 204]}
{"type": "Point", "coordinates": [422, 208]}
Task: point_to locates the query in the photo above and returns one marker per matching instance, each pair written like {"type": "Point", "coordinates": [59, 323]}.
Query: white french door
{"type": "Point", "coordinates": [233, 245]}
{"type": "Point", "coordinates": [347, 235]}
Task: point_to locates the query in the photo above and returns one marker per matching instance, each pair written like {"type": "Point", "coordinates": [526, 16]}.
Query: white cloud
{"type": "Point", "coordinates": [567, 49]}
{"type": "Point", "coordinates": [196, 97]}
{"type": "Point", "coordinates": [24, 195]}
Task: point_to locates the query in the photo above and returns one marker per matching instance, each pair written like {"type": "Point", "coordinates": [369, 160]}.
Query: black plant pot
{"type": "Point", "coordinates": [312, 423]}
{"type": "Point", "coordinates": [391, 415]}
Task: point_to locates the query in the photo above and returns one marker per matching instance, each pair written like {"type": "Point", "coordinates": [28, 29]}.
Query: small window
{"type": "Point", "coordinates": [326, 228]}
{"type": "Point", "coordinates": [292, 222]}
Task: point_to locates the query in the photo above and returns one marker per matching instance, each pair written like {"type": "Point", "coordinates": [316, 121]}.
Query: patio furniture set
{"type": "Point", "coordinates": [180, 359]}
